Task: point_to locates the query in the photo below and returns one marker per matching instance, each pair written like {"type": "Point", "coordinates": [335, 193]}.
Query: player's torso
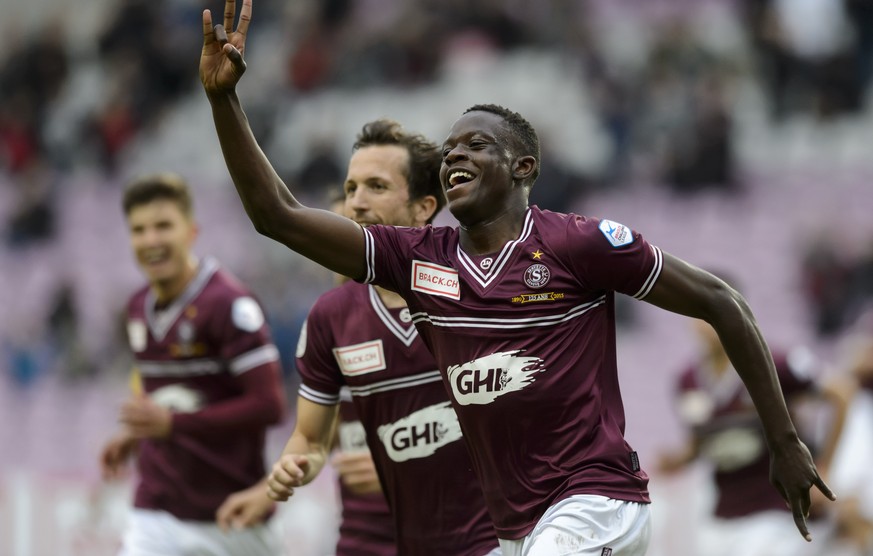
{"type": "Point", "coordinates": [177, 350]}
{"type": "Point", "coordinates": [412, 430]}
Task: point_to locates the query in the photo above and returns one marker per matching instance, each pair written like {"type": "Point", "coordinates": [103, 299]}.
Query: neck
{"type": "Point", "coordinates": [167, 291]}
{"type": "Point", "coordinates": [491, 235]}
{"type": "Point", "coordinates": [392, 300]}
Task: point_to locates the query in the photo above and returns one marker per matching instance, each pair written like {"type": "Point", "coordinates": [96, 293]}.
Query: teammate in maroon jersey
{"type": "Point", "coordinates": [517, 306]}
{"type": "Point", "coordinates": [210, 385]}
{"type": "Point", "coordinates": [748, 516]}
{"type": "Point", "coordinates": [362, 337]}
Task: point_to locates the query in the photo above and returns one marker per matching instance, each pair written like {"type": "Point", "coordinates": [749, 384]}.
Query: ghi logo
{"type": "Point", "coordinates": [420, 434]}
{"type": "Point", "coordinates": [483, 380]}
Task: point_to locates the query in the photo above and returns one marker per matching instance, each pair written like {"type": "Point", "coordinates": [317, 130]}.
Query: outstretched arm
{"type": "Point", "coordinates": [687, 290]}
{"type": "Point", "coordinates": [328, 239]}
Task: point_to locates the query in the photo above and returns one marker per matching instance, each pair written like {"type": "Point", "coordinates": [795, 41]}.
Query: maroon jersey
{"type": "Point", "coordinates": [720, 414]}
{"type": "Point", "coordinates": [367, 526]}
{"type": "Point", "coordinates": [351, 338]}
{"type": "Point", "coordinates": [208, 357]}
{"type": "Point", "coordinates": [525, 341]}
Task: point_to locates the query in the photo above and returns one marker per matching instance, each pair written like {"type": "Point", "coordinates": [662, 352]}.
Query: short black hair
{"type": "Point", "coordinates": [152, 187]}
{"type": "Point", "coordinates": [520, 129]}
{"type": "Point", "coordinates": [425, 158]}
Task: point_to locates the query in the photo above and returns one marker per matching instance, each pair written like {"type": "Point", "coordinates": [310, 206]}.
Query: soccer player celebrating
{"type": "Point", "coordinates": [517, 306]}
{"type": "Point", "coordinates": [210, 382]}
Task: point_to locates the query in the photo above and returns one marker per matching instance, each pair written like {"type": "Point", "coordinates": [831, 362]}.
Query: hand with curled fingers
{"type": "Point", "coordinates": [287, 474]}
{"type": "Point", "coordinates": [221, 60]}
{"type": "Point", "coordinates": [794, 474]}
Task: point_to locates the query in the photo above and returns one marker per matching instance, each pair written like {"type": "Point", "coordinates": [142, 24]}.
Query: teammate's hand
{"type": "Point", "coordinates": [115, 454]}
{"type": "Point", "coordinates": [793, 473]}
{"type": "Point", "coordinates": [244, 508]}
{"type": "Point", "coordinates": [287, 474]}
{"type": "Point", "coordinates": [221, 60]}
{"type": "Point", "coordinates": [146, 419]}
{"type": "Point", "coordinates": [357, 471]}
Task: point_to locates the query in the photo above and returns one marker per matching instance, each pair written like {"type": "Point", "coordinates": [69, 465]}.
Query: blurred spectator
{"type": "Point", "coordinates": [685, 116]}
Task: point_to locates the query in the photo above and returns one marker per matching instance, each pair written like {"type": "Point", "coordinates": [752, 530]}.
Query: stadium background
{"type": "Point", "coordinates": [732, 133]}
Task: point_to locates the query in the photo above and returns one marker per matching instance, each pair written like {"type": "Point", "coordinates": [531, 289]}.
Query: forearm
{"type": "Point", "coordinates": [315, 451]}
{"type": "Point", "coordinates": [238, 415]}
{"type": "Point", "coordinates": [261, 190]}
{"type": "Point", "coordinates": [750, 356]}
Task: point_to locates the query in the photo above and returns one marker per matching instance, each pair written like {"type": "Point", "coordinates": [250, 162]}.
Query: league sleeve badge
{"type": "Point", "coordinates": [618, 235]}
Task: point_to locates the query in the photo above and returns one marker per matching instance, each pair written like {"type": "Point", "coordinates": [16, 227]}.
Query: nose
{"type": "Point", "coordinates": [356, 200]}
{"type": "Point", "coordinates": [455, 154]}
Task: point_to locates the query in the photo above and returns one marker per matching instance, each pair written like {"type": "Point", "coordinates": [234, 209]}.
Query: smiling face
{"type": "Point", "coordinates": [161, 236]}
{"type": "Point", "coordinates": [377, 190]}
{"type": "Point", "coordinates": [478, 168]}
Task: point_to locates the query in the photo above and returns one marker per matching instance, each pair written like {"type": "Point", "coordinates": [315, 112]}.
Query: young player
{"type": "Point", "coordinates": [517, 306]}
{"type": "Point", "coordinates": [210, 385]}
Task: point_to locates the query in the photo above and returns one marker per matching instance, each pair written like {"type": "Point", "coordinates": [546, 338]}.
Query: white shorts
{"type": "Point", "coordinates": [770, 533]}
{"type": "Point", "coordinates": [587, 525]}
{"type": "Point", "coordinates": [157, 533]}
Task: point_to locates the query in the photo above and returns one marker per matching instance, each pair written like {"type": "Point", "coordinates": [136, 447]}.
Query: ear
{"type": "Point", "coordinates": [523, 168]}
{"type": "Point", "coordinates": [423, 209]}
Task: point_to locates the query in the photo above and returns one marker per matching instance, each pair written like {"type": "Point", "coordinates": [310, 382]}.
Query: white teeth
{"type": "Point", "coordinates": [460, 177]}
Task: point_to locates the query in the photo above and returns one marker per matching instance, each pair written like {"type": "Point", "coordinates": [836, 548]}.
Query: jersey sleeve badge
{"type": "Point", "coordinates": [247, 315]}
{"type": "Point", "coordinates": [618, 235]}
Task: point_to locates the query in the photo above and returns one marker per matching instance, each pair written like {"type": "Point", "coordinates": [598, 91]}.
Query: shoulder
{"type": "Point", "coordinates": [340, 300]}
{"type": "Point", "coordinates": [582, 231]}
{"type": "Point", "coordinates": [414, 236]}
{"type": "Point", "coordinates": [136, 301]}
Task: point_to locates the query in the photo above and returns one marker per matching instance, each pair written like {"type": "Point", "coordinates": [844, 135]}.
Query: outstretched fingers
{"type": "Point", "coordinates": [229, 13]}
{"type": "Point", "coordinates": [824, 488]}
{"type": "Point", "coordinates": [800, 511]}
{"type": "Point", "coordinates": [208, 34]}
{"type": "Point", "coordinates": [245, 17]}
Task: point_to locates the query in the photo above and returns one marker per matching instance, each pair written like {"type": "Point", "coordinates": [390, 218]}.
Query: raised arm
{"type": "Point", "coordinates": [328, 239]}
{"type": "Point", "coordinates": [687, 290]}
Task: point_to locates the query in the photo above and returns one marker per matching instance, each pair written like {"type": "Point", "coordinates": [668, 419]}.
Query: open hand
{"type": "Point", "coordinates": [221, 61]}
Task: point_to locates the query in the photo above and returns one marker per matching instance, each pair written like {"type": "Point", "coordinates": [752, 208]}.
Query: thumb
{"type": "Point", "coordinates": [235, 57]}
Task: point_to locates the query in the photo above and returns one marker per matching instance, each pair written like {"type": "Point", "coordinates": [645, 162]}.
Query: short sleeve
{"type": "Point", "coordinates": [608, 256]}
{"type": "Point", "coordinates": [244, 337]}
{"type": "Point", "coordinates": [321, 378]}
{"type": "Point", "coordinates": [389, 256]}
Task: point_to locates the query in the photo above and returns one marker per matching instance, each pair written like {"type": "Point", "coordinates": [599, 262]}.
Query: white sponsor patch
{"type": "Point", "coordinates": [137, 335]}
{"type": "Point", "coordinates": [178, 398]}
{"type": "Point", "coordinates": [352, 437]}
{"type": "Point", "coordinates": [734, 448]}
{"type": "Point", "coordinates": [483, 380]}
{"type": "Point", "coordinates": [301, 341]}
{"type": "Point", "coordinates": [434, 279]}
{"type": "Point", "coordinates": [360, 359]}
{"type": "Point", "coordinates": [420, 434]}
{"type": "Point", "coordinates": [617, 234]}
{"type": "Point", "coordinates": [247, 314]}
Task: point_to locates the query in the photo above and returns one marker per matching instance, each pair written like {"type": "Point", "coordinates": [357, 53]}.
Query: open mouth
{"type": "Point", "coordinates": [459, 177]}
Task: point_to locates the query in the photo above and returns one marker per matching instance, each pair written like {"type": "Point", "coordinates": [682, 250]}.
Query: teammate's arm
{"type": "Point", "coordinates": [329, 239]}
{"type": "Point", "coordinates": [687, 290]}
{"type": "Point", "coordinates": [307, 450]}
{"type": "Point", "coordinates": [261, 403]}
